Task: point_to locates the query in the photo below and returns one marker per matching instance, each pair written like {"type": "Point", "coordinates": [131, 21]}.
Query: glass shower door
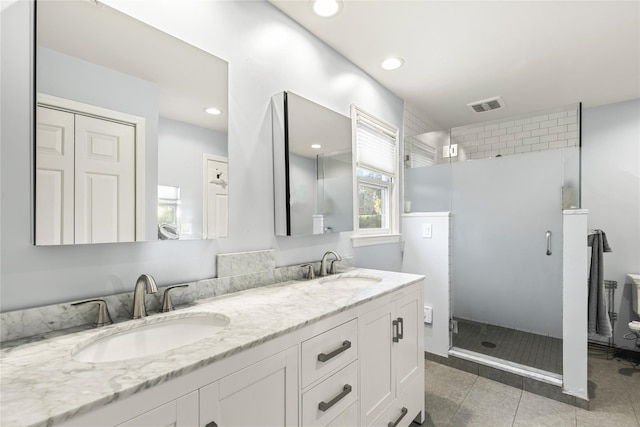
{"type": "Point", "coordinates": [507, 257]}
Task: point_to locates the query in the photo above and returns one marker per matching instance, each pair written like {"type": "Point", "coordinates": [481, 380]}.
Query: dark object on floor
{"type": "Point", "coordinates": [488, 344]}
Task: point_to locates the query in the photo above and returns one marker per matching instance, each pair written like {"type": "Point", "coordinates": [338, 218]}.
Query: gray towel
{"type": "Point", "coordinates": [599, 322]}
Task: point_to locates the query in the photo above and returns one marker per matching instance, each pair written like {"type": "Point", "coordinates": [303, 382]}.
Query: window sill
{"type": "Point", "coordinates": [374, 239]}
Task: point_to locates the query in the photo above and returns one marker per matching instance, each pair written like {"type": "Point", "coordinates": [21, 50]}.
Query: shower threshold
{"type": "Point", "coordinates": [507, 366]}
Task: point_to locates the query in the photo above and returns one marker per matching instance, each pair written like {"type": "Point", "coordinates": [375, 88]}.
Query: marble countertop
{"type": "Point", "coordinates": [41, 384]}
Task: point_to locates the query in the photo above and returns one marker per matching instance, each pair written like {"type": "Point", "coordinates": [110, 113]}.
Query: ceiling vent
{"type": "Point", "coordinates": [486, 104]}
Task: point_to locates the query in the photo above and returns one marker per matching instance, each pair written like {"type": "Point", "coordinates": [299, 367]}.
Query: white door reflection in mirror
{"type": "Point", "coordinates": [105, 181]}
{"type": "Point", "coordinates": [86, 173]}
{"type": "Point", "coordinates": [216, 192]}
{"type": "Point", "coordinates": [54, 177]}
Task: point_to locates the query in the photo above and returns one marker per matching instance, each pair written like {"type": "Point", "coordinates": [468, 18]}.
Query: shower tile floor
{"type": "Point", "coordinates": [526, 348]}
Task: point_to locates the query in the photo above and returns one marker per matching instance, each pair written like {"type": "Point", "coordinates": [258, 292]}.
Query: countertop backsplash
{"type": "Point", "coordinates": [236, 272]}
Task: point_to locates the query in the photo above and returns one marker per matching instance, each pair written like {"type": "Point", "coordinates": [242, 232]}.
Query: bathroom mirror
{"type": "Point", "coordinates": [313, 172]}
{"type": "Point", "coordinates": [121, 113]}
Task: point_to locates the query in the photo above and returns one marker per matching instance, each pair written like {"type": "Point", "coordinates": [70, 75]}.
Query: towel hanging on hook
{"type": "Point", "coordinates": [599, 322]}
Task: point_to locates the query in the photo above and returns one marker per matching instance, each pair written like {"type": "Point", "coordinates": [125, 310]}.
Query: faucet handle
{"type": "Point", "coordinates": [104, 318]}
{"type": "Point", "coordinates": [167, 305]}
{"type": "Point", "coordinates": [309, 273]}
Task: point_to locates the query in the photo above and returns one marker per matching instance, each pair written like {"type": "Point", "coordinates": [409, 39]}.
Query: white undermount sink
{"type": "Point", "coordinates": [351, 279]}
{"type": "Point", "coordinates": [153, 336]}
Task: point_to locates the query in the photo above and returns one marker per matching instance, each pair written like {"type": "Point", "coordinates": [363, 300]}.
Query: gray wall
{"type": "Point", "coordinates": [267, 53]}
{"type": "Point", "coordinates": [611, 193]}
{"type": "Point", "coordinates": [428, 188]}
{"type": "Point", "coordinates": [302, 187]}
{"type": "Point", "coordinates": [180, 149]}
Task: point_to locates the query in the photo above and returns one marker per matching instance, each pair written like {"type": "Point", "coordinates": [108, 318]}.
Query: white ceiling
{"type": "Point", "coordinates": [188, 79]}
{"type": "Point", "coordinates": [534, 54]}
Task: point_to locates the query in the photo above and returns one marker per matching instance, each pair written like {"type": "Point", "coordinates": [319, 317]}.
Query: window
{"type": "Point", "coordinates": [376, 179]}
{"type": "Point", "coordinates": [168, 205]}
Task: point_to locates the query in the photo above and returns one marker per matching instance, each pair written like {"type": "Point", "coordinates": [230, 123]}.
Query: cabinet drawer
{"type": "Point", "coordinates": [324, 402]}
{"type": "Point", "coordinates": [349, 418]}
{"type": "Point", "coordinates": [329, 351]}
{"type": "Point", "coordinates": [410, 401]}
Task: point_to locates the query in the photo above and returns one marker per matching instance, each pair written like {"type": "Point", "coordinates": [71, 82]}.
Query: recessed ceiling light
{"type": "Point", "coordinates": [213, 111]}
{"type": "Point", "coordinates": [392, 63]}
{"type": "Point", "coordinates": [316, 146]}
{"type": "Point", "coordinates": [326, 8]}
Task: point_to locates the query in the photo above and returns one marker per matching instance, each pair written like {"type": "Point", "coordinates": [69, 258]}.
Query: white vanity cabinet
{"type": "Point", "coordinates": [391, 361]}
{"type": "Point", "coordinates": [359, 367]}
{"type": "Point", "coordinates": [261, 390]}
{"type": "Point", "coordinates": [329, 376]}
{"type": "Point", "coordinates": [265, 393]}
{"type": "Point", "coordinates": [182, 412]}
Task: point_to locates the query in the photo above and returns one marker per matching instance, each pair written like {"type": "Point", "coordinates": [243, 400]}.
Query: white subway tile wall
{"type": "Point", "coordinates": [415, 122]}
{"type": "Point", "coordinates": [536, 133]}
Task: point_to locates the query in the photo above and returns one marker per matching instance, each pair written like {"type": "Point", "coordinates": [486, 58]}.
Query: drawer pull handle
{"type": "Point", "coordinates": [398, 329]}
{"type": "Point", "coordinates": [345, 346]}
{"type": "Point", "coordinates": [211, 424]}
{"type": "Point", "coordinates": [396, 422]}
{"type": "Point", "coordinates": [324, 406]}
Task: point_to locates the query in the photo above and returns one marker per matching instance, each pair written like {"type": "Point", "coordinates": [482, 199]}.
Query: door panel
{"type": "Point", "coordinates": [376, 363]}
{"type": "Point", "coordinates": [502, 209]}
{"type": "Point", "coordinates": [407, 354]}
{"type": "Point", "coordinates": [105, 181]}
{"type": "Point", "coordinates": [264, 394]}
{"type": "Point", "coordinates": [54, 177]}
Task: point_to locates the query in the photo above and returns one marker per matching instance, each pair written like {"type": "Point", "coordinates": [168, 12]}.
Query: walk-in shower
{"type": "Point", "coordinates": [505, 184]}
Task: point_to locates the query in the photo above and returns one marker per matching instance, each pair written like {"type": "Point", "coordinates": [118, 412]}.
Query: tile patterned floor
{"type": "Point", "coordinates": [525, 348]}
{"type": "Point", "coordinates": [457, 398]}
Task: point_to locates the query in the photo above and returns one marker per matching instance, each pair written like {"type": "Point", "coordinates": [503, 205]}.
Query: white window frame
{"type": "Point", "coordinates": [390, 233]}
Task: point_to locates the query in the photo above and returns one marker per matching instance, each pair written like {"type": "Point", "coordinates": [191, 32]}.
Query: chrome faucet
{"type": "Point", "coordinates": [323, 263]}
{"type": "Point", "coordinates": [167, 304]}
{"type": "Point", "coordinates": [145, 283]}
{"type": "Point", "coordinates": [103, 318]}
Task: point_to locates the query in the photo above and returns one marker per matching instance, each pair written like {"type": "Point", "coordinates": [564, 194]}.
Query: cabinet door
{"type": "Point", "coordinates": [182, 412]}
{"type": "Point", "coordinates": [376, 362]}
{"type": "Point", "coordinates": [408, 357]}
{"type": "Point", "coordinates": [264, 394]}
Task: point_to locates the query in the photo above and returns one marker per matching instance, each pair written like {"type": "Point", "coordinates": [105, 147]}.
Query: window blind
{"type": "Point", "coordinates": [421, 154]}
{"type": "Point", "coordinates": [376, 147]}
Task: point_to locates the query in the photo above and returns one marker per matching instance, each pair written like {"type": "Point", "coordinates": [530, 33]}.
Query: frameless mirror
{"type": "Point", "coordinates": [313, 172]}
{"type": "Point", "coordinates": [120, 118]}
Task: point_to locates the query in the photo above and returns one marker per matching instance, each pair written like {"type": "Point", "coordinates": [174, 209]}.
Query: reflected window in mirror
{"type": "Point", "coordinates": [164, 83]}
{"type": "Point", "coordinates": [168, 212]}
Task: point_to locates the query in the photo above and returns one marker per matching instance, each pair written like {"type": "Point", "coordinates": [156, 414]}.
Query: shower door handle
{"type": "Point", "coordinates": [548, 242]}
